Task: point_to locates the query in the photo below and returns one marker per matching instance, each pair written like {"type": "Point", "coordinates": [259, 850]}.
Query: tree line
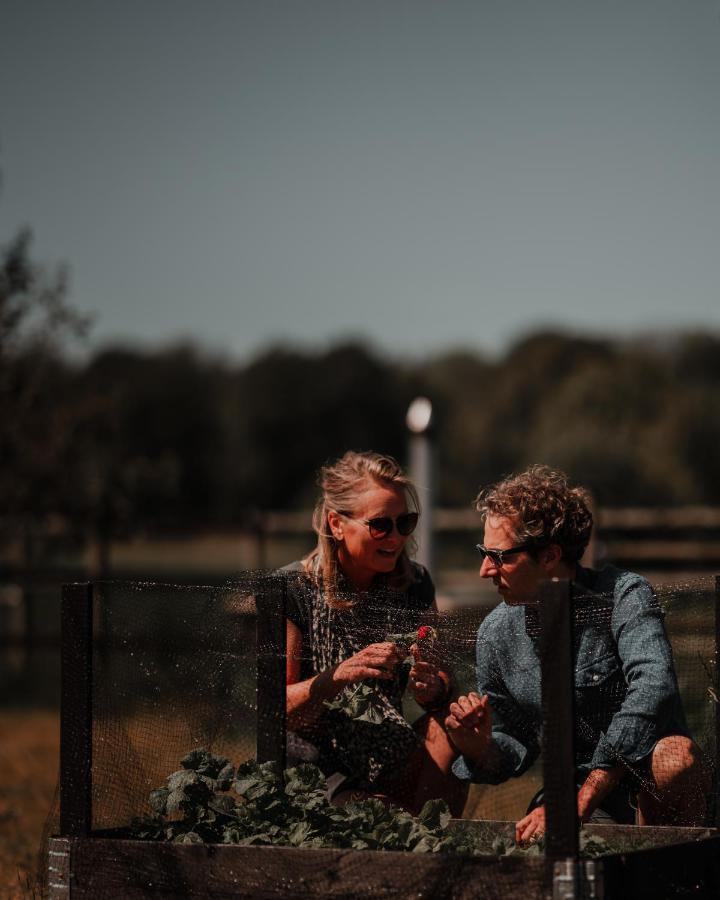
{"type": "Point", "coordinates": [177, 439]}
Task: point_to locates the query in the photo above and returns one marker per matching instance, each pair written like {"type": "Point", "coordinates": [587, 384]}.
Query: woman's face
{"type": "Point", "coordinates": [362, 556]}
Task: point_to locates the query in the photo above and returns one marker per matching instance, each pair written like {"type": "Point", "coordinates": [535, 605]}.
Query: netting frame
{"type": "Point", "coordinates": [76, 855]}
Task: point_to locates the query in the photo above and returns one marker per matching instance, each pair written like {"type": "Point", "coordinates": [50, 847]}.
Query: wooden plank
{"type": "Point", "coordinates": [652, 517]}
{"type": "Point", "coordinates": [271, 661]}
{"type": "Point", "coordinates": [675, 551]}
{"type": "Point", "coordinates": [679, 870]}
{"type": "Point", "coordinates": [76, 710]}
{"type": "Point", "coordinates": [139, 869]}
{"type": "Point", "coordinates": [558, 707]}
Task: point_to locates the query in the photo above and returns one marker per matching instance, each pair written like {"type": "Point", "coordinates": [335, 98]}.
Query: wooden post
{"type": "Point", "coordinates": [558, 705]}
{"type": "Point", "coordinates": [76, 710]}
{"type": "Point", "coordinates": [716, 686]}
{"type": "Point", "coordinates": [271, 657]}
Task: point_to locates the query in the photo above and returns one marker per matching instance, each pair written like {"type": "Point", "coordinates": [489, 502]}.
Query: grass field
{"type": "Point", "coordinates": [29, 748]}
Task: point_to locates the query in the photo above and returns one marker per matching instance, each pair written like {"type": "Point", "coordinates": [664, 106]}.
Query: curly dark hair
{"type": "Point", "coordinates": [544, 509]}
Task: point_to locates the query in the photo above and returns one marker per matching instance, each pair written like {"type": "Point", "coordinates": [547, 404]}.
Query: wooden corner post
{"type": "Point", "coordinates": [558, 706]}
{"type": "Point", "coordinates": [76, 710]}
{"type": "Point", "coordinates": [716, 704]}
{"type": "Point", "coordinates": [271, 658]}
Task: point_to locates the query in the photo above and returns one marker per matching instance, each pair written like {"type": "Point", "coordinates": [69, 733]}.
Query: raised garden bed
{"type": "Point", "coordinates": [87, 863]}
{"type": "Point", "coordinates": [686, 864]}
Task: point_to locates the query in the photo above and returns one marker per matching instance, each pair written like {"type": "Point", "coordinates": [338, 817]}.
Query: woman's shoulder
{"type": "Point", "coordinates": [300, 589]}
{"type": "Point", "coordinates": [297, 566]}
{"type": "Point", "coordinates": [421, 586]}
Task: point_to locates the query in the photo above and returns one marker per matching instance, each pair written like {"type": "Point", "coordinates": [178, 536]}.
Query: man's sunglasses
{"type": "Point", "coordinates": [497, 557]}
{"type": "Point", "coordinates": [381, 526]}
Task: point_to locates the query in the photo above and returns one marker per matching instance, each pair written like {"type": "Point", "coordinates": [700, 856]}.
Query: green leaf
{"type": "Point", "coordinates": [158, 800]}
{"type": "Point", "coordinates": [181, 779]}
{"type": "Point", "coordinates": [222, 804]}
{"type": "Point", "coordinates": [190, 837]}
{"type": "Point", "coordinates": [435, 814]}
{"type": "Point", "coordinates": [299, 833]}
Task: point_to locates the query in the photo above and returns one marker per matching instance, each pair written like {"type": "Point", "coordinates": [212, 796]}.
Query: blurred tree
{"type": "Point", "coordinates": [154, 445]}
{"type": "Point", "coordinates": [38, 413]}
{"type": "Point", "coordinates": [297, 410]}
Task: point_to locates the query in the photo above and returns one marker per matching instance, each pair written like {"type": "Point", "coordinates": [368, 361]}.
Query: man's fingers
{"type": "Point", "coordinates": [531, 827]}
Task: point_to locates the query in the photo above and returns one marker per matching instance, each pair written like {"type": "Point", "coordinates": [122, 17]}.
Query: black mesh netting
{"type": "Point", "coordinates": [174, 671]}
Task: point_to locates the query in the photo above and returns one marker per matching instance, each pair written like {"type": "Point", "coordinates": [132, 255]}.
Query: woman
{"type": "Point", "coordinates": [345, 678]}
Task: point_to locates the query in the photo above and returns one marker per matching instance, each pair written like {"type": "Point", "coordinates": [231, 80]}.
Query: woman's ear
{"type": "Point", "coordinates": [335, 523]}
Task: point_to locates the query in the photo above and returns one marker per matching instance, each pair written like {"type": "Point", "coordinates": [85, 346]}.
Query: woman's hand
{"type": "Point", "coordinates": [428, 684]}
{"type": "Point", "coordinates": [374, 661]}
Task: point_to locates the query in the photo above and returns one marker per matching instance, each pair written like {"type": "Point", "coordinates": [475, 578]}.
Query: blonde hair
{"type": "Point", "coordinates": [544, 509]}
{"type": "Point", "coordinates": [342, 483]}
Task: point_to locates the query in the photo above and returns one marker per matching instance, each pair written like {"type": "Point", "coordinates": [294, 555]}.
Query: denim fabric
{"type": "Point", "coordinates": [626, 693]}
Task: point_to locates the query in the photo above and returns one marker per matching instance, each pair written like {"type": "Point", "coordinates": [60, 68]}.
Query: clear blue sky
{"type": "Point", "coordinates": [426, 174]}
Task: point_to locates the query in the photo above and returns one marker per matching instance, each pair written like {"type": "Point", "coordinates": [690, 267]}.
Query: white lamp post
{"type": "Point", "coordinates": [419, 423]}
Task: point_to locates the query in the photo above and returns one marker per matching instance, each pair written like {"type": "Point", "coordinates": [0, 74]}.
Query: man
{"type": "Point", "coordinates": [634, 756]}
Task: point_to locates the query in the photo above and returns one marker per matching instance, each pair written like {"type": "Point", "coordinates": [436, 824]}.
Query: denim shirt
{"type": "Point", "coordinates": [626, 693]}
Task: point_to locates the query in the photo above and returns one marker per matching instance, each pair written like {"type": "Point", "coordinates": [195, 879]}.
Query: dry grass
{"type": "Point", "coordinates": [29, 752]}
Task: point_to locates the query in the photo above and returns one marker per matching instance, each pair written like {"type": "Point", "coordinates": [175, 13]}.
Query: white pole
{"type": "Point", "coordinates": [419, 422]}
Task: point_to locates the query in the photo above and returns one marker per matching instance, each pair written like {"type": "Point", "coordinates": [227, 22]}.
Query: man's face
{"type": "Point", "coordinates": [518, 578]}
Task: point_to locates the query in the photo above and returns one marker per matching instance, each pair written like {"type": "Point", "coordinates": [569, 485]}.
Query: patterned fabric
{"type": "Point", "coordinates": [364, 751]}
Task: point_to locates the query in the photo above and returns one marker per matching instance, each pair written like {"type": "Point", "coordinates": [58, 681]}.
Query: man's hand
{"type": "Point", "coordinates": [469, 726]}
{"type": "Point", "coordinates": [531, 827]}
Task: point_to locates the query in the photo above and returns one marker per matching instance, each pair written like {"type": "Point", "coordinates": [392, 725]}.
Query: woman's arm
{"type": "Point", "coordinates": [305, 698]}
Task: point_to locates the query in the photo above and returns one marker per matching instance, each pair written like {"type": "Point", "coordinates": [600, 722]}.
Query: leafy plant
{"type": "Point", "coordinates": [207, 801]}
{"type": "Point", "coordinates": [360, 702]}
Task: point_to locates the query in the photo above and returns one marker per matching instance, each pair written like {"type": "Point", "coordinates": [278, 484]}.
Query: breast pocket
{"type": "Point", "coordinates": [599, 692]}
{"type": "Point", "coordinates": [597, 671]}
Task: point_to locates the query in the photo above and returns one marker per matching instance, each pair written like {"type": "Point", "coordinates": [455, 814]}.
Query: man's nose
{"type": "Point", "coordinates": [487, 568]}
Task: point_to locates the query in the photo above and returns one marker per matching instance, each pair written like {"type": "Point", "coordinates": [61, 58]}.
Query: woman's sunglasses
{"type": "Point", "coordinates": [381, 526]}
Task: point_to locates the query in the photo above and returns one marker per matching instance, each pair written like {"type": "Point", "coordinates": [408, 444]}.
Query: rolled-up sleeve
{"type": "Point", "coordinates": [515, 739]}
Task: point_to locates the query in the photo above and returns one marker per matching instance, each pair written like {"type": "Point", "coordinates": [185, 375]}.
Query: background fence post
{"type": "Point", "coordinates": [558, 705]}
{"type": "Point", "coordinates": [716, 687]}
{"type": "Point", "coordinates": [271, 658]}
{"type": "Point", "coordinates": [76, 710]}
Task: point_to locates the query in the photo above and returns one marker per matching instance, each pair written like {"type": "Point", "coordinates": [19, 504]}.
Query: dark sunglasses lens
{"type": "Point", "coordinates": [380, 527]}
{"type": "Point", "coordinates": [406, 524]}
{"type": "Point", "coordinates": [493, 555]}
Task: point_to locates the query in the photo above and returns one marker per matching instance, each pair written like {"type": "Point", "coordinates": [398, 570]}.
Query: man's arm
{"type": "Point", "coordinates": [501, 743]}
{"type": "Point", "coordinates": [651, 708]}
{"type": "Point", "coordinates": [598, 784]}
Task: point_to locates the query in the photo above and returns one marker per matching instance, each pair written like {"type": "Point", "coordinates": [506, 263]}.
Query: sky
{"type": "Point", "coordinates": [423, 175]}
